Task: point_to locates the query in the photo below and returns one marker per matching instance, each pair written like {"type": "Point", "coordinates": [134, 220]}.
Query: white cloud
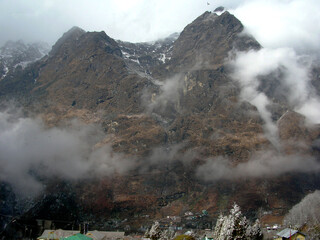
{"type": "Point", "coordinates": [310, 108]}
{"type": "Point", "coordinates": [286, 23]}
{"type": "Point", "coordinates": [30, 150]}
{"type": "Point", "coordinates": [262, 164]}
{"type": "Point", "coordinates": [168, 95]}
{"type": "Point", "coordinates": [300, 95]}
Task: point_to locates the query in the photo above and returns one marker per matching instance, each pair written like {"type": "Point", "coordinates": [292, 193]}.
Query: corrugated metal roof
{"type": "Point", "coordinates": [99, 235]}
{"type": "Point", "coordinates": [287, 232]}
{"type": "Point", "coordinates": [56, 234]}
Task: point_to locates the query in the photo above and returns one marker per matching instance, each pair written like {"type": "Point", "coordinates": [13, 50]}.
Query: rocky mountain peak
{"type": "Point", "coordinates": [77, 38]}
{"type": "Point", "coordinates": [68, 37]}
{"type": "Point", "coordinates": [73, 32]}
{"type": "Point", "coordinates": [208, 40]}
{"type": "Point", "coordinates": [102, 40]}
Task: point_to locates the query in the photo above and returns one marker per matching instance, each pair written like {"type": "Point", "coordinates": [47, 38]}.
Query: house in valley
{"type": "Point", "coordinates": [290, 234]}
{"type": "Point", "coordinates": [56, 234]}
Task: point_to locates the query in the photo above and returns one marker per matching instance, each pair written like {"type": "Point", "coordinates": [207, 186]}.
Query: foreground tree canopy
{"type": "Point", "coordinates": [236, 226]}
{"type": "Point", "coordinates": [306, 215]}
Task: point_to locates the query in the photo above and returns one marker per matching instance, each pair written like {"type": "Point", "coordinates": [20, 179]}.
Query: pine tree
{"type": "Point", "coordinates": [167, 235]}
{"type": "Point", "coordinates": [238, 222]}
{"type": "Point", "coordinates": [155, 232]}
{"type": "Point", "coordinates": [218, 227]}
{"type": "Point", "coordinates": [254, 232]}
{"type": "Point", "coordinates": [236, 226]}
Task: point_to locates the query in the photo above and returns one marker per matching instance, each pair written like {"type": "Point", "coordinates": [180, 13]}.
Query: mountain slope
{"type": "Point", "coordinates": [172, 108]}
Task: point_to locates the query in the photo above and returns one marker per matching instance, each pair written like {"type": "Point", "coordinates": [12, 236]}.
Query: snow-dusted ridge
{"type": "Point", "coordinates": [18, 54]}
{"type": "Point", "coordinates": [148, 54]}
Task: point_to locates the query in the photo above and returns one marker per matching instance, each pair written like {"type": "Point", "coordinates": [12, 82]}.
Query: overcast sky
{"type": "Point", "coordinates": [273, 22]}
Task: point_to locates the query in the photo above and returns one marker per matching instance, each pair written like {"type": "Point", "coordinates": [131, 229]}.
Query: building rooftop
{"type": "Point", "coordinates": [287, 232]}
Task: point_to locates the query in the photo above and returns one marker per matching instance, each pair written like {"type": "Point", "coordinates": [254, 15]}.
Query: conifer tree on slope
{"type": "Point", "coordinates": [155, 232]}
{"type": "Point", "coordinates": [235, 226]}
{"type": "Point", "coordinates": [254, 232]}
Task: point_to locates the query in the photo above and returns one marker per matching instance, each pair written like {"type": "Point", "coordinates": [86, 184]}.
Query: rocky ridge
{"type": "Point", "coordinates": [17, 54]}
{"type": "Point", "coordinates": [148, 55]}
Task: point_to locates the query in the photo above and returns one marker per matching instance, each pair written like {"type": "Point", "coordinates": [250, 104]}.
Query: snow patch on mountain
{"type": "Point", "coordinates": [149, 54]}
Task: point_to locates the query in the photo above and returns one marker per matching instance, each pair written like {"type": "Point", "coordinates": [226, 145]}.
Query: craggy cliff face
{"type": "Point", "coordinates": [162, 128]}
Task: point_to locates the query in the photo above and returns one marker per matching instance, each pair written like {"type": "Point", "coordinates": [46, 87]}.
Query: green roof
{"type": "Point", "coordinates": [77, 236]}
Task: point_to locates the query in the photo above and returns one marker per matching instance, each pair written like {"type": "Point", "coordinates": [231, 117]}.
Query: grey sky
{"type": "Point", "coordinates": [132, 20]}
{"type": "Point", "coordinates": [272, 22]}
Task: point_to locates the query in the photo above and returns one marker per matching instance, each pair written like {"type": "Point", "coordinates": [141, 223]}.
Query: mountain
{"type": "Point", "coordinates": [202, 41]}
{"type": "Point", "coordinates": [18, 55]}
{"type": "Point", "coordinates": [171, 107]}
